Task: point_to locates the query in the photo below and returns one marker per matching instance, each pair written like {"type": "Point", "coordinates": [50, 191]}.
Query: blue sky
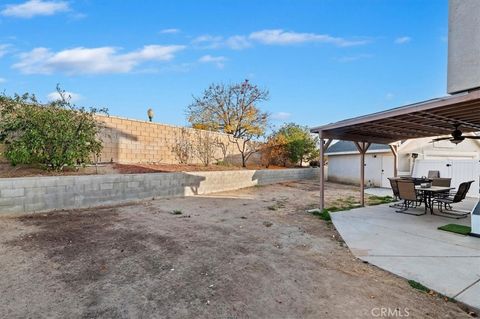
{"type": "Point", "coordinates": [322, 60]}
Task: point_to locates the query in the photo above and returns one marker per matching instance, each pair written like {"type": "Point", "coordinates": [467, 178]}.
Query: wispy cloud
{"type": "Point", "coordinates": [207, 41]}
{"type": "Point", "coordinates": [170, 31]}
{"type": "Point", "coordinates": [2, 80]}
{"type": "Point", "coordinates": [353, 58]}
{"type": "Point", "coordinates": [281, 116]}
{"type": "Point", "coordinates": [281, 37]}
{"type": "Point", "coordinates": [4, 49]}
{"type": "Point", "coordinates": [238, 42]}
{"type": "Point", "coordinates": [100, 60]}
{"type": "Point", "coordinates": [389, 96]}
{"type": "Point", "coordinates": [272, 37]}
{"type": "Point", "coordinates": [34, 8]}
{"type": "Point", "coordinates": [55, 96]}
{"type": "Point", "coordinates": [218, 61]}
{"type": "Point", "coordinates": [403, 40]}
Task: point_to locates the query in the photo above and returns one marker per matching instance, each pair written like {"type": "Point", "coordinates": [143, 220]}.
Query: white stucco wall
{"type": "Point", "coordinates": [463, 45]}
{"type": "Point", "coordinates": [346, 169]}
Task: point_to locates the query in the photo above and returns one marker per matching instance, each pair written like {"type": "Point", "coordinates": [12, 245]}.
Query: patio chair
{"type": "Point", "coordinates": [442, 182]}
{"type": "Point", "coordinates": [433, 174]}
{"type": "Point", "coordinates": [407, 193]}
{"type": "Point", "coordinates": [444, 203]}
{"type": "Point", "coordinates": [394, 186]}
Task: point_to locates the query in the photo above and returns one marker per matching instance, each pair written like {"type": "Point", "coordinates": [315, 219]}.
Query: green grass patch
{"type": "Point", "coordinates": [416, 285]}
{"type": "Point", "coordinates": [379, 200]}
{"type": "Point", "coordinates": [346, 203]}
{"type": "Point", "coordinates": [323, 215]}
{"type": "Point", "coordinates": [457, 229]}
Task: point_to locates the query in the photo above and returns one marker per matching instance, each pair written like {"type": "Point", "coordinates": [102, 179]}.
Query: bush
{"type": "Point", "coordinates": [293, 144]}
{"type": "Point", "coordinates": [54, 135]}
{"type": "Point", "coordinates": [274, 151]}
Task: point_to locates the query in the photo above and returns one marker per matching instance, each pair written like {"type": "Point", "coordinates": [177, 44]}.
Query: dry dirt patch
{"type": "Point", "coordinates": [226, 255]}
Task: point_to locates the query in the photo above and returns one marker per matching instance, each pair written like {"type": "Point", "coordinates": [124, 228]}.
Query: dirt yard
{"type": "Point", "coordinates": [253, 253]}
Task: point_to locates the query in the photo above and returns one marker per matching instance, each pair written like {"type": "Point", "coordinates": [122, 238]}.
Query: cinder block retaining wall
{"type": "Point", "coordinates": [37, 194]}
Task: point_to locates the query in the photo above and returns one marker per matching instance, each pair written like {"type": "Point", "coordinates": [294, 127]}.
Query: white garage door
{"type": "Point", "coordinates": [458, 170]}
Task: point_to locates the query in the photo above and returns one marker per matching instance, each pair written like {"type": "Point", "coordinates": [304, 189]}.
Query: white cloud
{"type": "Point", "coordinates": [271, 37]}
{"type": "Point", "coordinates": [4, 48]}
{"type": "Point", "coordinates": [100, 60]}
{"type": "Point", "coordinates": [207, 41]}
{"type": "Point", "coordinates": [55, 96]}
{"type": "Point", "coordinates": [403, 40]}
{"type": "Point", "coordinates": [170, 31]}
{"type": "Point", "coordinates": [33, 8]}
{"type": "Point", "coordinates": [237, 42]}
{"type": "Point", "coordinates": [219, 61]}
{"type": "Point", "coordinates": [2, 80]}
{"type": "Point", "coordinates": [281, 116]}
{"type": "Point", "coordinates": [281, 37]}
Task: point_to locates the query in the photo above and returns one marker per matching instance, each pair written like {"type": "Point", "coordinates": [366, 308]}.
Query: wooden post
{"type": "Point", "coordinates": [362, 148]}
{"type": "Point", "coordinates": [394, 149]}
{"type": "Point", "coordinates": [323, 147]}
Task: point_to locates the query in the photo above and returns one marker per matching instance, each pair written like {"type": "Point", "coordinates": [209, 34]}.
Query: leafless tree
{"type": "Point", "coordinates": [232, 109]}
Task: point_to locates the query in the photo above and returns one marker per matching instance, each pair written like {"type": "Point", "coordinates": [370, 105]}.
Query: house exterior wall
{"type": "Point", "coordinates": [463, 45]}
{"type": "Point", "coordinates": [346, 168]}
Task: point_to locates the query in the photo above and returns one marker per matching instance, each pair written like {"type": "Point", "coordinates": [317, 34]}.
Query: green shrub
{"type": "Point", "coordinates": [324, 215]}
{"type": "Point", "coordinates": [54, 135]}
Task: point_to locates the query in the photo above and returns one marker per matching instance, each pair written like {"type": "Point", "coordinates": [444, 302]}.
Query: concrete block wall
{"type": "Point", "coordinates": [39, 194]}
{"type": "Point", "coordinates": [132, 141]}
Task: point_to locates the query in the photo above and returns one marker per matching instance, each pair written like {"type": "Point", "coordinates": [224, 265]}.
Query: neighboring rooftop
{"type": "Point", "coordinates": [349, 147]}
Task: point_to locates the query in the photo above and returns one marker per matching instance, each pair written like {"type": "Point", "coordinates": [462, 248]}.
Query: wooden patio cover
{"type": "Point", "coordinates": [430, 118]}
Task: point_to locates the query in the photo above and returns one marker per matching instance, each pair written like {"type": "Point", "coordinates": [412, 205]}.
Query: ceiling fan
{"type": "Point", "coordinates": [456, 136]}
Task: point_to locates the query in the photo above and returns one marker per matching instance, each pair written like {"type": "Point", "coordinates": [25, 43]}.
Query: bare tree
{"type": "Point", "coordinates": [183, 147]}
{"type": "Point", "coordinates": [224, 147]}
{"type": "Point", "coordinates": [205, 146]}
{"type": "Point", "coordinates": [232, 109]}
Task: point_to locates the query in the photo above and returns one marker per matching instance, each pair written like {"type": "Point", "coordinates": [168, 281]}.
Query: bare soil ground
{"type": "Point", "coordinates": [6, 170]}
{"type": "Point", "coordinates": [253, 253]}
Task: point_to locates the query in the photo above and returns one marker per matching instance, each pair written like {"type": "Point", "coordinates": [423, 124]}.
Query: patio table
{"type": "Point", "coordinates": [429, 192]}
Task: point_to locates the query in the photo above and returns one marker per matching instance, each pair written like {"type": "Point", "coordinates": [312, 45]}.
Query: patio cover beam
{"type": "Point", "coordinates": [362, 148]}
{"type": "Point", "coordinates": [394, 149]}
{"type": "Point", "coordinates": [324, 144]}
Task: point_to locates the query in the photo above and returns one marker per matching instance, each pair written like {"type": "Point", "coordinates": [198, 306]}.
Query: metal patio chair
{"type": "Point", "coordinates": [410, 197]}
{"type": "Point", "coordinates": [445, 203]}
{"type": "Point", "coordinates": [433, 174]}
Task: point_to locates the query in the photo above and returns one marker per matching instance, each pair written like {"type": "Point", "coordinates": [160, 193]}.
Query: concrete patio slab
{"type": "Point", "coordinates": [413, 247]}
